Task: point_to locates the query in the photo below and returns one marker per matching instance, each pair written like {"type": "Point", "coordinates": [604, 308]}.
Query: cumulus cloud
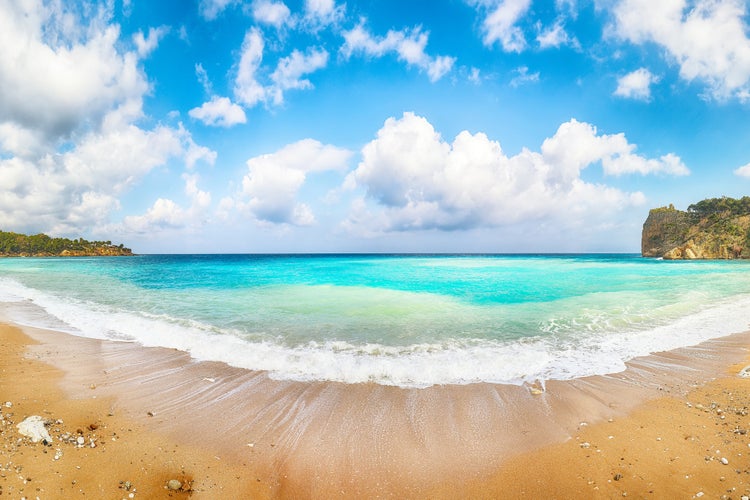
{"type": "Point", "coordinates": [417, 180]}
{"type": "Point", "coordinates": [72, 148]}
{"type": "Point", "coordinates": [77, 190]}
{"type": "Point", "coordinates": [408, 45]}
{"type": "Point", "coordinates": [90, 74]}
{"type": "Point", "coordinates": [576, 145]}
{"type": "Point", "coordinates": [166, 214]}
{"type": "Point", "coordinates": [274, 13]}
{"type": "Point", "coordinates": [273, 181]}
{"type": "Point", "coordinates": [743, 171]}
{"type": "Point", "coordinates": [499, 24]}
{"type": "Point", "coordinates": [219, 112]}
{"type": "Point", "coordinates": [706, 38]}
{"type": "Point", "coordinates": [636, 85]}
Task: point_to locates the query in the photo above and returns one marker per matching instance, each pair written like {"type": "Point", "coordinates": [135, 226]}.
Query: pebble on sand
{"type": "Point", "coordinates": [174, 485]}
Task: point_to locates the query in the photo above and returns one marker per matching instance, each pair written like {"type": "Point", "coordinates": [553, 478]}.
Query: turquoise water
{"type": "Point", "coordinates": [397, 320]}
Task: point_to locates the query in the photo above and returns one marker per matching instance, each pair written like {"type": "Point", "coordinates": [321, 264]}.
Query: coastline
{"type": "Point", "coordinates": [235, 432]}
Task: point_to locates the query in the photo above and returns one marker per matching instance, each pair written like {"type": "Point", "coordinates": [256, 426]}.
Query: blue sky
{"type": "Point", "coordinates": [373, 126]}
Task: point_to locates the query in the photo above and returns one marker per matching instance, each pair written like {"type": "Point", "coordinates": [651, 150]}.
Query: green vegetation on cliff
{"type": "Point", "coordinates": [41, 245]}
{"type": "Point", "coordinates": [723, 206]}
{"type": "Point", "coordinates": [715, 228]}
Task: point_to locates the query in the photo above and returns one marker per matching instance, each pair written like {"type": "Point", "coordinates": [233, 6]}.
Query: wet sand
{"type": "Point", "coordinates": [661, 428]}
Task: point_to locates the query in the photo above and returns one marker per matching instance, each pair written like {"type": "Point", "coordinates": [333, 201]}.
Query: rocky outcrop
{"type": "Point", "coordinates": [41, 245]}
{"type": "Point", "coordinates": [675, 234]}
{"type": "Point", "coordinates": [97, 251]}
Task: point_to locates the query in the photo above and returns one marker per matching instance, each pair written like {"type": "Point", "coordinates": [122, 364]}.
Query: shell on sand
{"type": "Point", "coordinates": [33, 428]}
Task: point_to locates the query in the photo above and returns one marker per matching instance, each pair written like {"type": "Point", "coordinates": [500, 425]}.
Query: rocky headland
{"type": "Point", "coordinates": [41, 245]}
{"type": "Point", "coordinates": [715, 228]}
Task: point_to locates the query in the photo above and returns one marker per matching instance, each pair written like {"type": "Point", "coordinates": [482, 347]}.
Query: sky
{"type": "Point", "coordinates": [264, 126]}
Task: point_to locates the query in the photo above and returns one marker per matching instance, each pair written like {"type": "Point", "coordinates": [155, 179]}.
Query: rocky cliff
{"type": "Point", "coordinates": [708, 230]}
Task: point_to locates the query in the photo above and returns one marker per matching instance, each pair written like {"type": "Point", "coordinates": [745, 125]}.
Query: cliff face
{"type": "Point", "coordinates": [675, 234]}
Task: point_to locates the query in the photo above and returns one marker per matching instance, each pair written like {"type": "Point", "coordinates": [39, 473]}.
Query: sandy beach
{"type": "Point", "coordinates": [134, 422]}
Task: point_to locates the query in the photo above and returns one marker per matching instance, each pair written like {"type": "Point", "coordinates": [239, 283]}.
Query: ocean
{"type": "Point", "coordinates": [402, 320]}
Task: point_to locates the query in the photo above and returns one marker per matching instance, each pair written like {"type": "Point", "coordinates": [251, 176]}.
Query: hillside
{"type": "Point", "coordinates": [41, 245]}
{"type": "Point", "coordinates": [715, 228]}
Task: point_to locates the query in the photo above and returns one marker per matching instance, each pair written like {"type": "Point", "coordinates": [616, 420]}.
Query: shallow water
{"type": "Point", "coordinates": [410, 321]}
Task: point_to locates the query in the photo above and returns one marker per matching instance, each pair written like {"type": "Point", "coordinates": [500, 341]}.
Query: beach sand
{"type": "Point", "coordinates": [673, 425]}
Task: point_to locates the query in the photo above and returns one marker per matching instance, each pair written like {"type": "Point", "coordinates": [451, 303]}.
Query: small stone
{"type": "Point", "coordinates": [585, 445]}
{"type": "Point", "coordinates": [8, 404]}
{"type": "Point", "coordinates": [699, 494]}
{"type": "Point", "coordinates": [174, 485]}
{"type": "Point", "coordinates": [724, 460]}
{"type": "Point", "coordinates": [617, 477]}
{"type": "Point", "coordinates": [80, 440]}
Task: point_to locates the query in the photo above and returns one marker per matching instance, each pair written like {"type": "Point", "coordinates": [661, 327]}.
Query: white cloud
{"type": "Point", "coordinates": [64, 76]}
{"type": "Point", "coordinates": [219, 111]}
{"type": "Point", "coordinates": [77, 190]}
{"type": "Point", "coordinates": [636, 85]}
{"type": "Point", "coordinates": [165, 214]}
{"type": "Point", "coordinates": [146, 45]}
{"type": "Point", "coordinates": [706, 38]}
{"type": "Point", "coordinates": [499, 25]}
{"type": "Point", "coordinates": [202, 75]}
{"type": "Point", "coordinates": [288, 75]}
{"type": "Point", "coordinates": [200, 199]}
{"type": "Point", "coordinates": [322, 13]}
{"type": "Point", "coordinates": [416, 180]}
{"type": "Point", "coordinates": [274, 13]}
{"type": "Point", "coordinates": [523, 77]}
{"type": "Point", "coordinates": [567, 7]}
{"type": "Point", "coordinates": [743, 171]}
{"type": "Point", "coordinates": [408, 45]}
{"type": "Point", "coordinates": [576, 145]}
{"type": "Point", "coordinates": [247, 90]}
{"type": "Point", "coordinates": [71, 97]}
{"type": "Point", "coordinates": [474, 76]}
{"type": "Point", "coordinates": [289, 72]}
{"type": "Point", "coordinates": [555, 36]}
{"type": "Point", "coordinates": [210, 9]}
{"type": "Point", "coordinates": [273, 180]}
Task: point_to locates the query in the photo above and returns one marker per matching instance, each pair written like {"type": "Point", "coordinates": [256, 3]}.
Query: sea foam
{"type": "Point", "coordinates": [582, 349]}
